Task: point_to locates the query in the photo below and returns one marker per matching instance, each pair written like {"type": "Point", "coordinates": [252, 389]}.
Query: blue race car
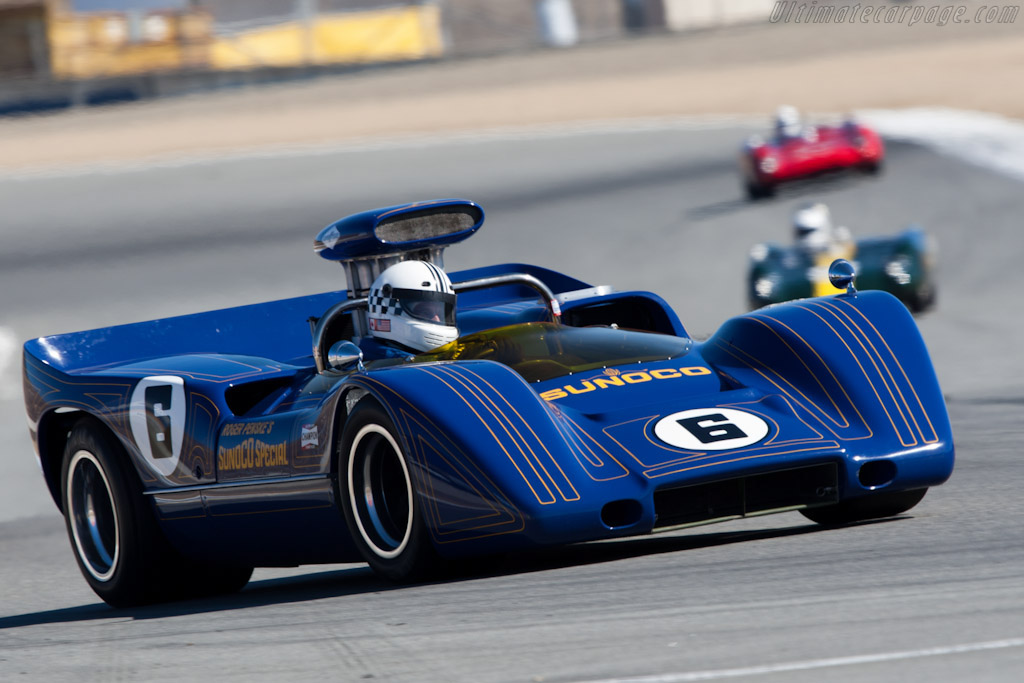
{"type": "Point", "coordinates": [185, 451]}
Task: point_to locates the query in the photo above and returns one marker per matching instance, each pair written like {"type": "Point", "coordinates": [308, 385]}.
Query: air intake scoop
{"type": "Point", "coordinates": [399, 229]}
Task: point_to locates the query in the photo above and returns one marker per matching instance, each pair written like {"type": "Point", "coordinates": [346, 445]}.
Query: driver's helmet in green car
{"type": "Point", "coordinates": [812, 227]}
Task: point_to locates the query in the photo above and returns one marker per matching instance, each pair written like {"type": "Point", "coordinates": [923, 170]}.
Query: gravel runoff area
{"type": "Point", "coordinates": [740, 70]}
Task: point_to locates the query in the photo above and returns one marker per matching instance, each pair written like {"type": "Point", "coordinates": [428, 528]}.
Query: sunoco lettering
{"type": "Point", "coordinates": [614, 381]}
{"type": "Point", "coordinates": [585, 386]}
{"type": "Point", "coordinates": [252, 454]}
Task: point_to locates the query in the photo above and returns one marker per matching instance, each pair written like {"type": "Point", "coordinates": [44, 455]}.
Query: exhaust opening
{"type": "Point", "coordinates": [621, 513]}
{"type": "Point", "coordinates": [876, 473]}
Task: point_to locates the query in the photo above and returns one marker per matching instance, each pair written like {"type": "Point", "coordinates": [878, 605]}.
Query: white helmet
{"type": "Point", "coordinates": [812, 226]}
{"type": "Point", "coordinates": [787, 121]}
{"type": "Point", "coordinates": [412, 304]}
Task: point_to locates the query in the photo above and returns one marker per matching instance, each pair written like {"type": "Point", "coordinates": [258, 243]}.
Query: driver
{"type": "Point", "coordinates": [412, 307]}
{"type": "Point", "coordinates": [787, 123]}
{"type": "Point", "coordinates": [813, 230]}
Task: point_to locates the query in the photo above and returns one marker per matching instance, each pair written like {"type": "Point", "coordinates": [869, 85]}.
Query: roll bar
{"type": "Point", "coordinates": [343, 307]}
{"type": "Point", "coordinates": [340, 308]}
{"type": "Point", "coordinates": [515, 279]}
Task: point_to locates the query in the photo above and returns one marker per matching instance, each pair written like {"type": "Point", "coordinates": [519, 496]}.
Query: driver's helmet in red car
{"type": "Point", "coordinates": [787, 122]}
{"type": "Point", "coordinates": [412, 305]}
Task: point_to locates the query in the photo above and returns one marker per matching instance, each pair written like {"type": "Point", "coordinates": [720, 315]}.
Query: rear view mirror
{"type": "Point", "coordinates": [344, 355]}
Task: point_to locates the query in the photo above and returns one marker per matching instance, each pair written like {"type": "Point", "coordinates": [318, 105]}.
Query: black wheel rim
{"type": "Point", "coordinates": [92, 514]}
{"type": "Point", "coordinates": [380, 491]}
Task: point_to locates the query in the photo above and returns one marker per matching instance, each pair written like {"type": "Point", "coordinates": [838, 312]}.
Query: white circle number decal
{"type": "Point", "coordinates": [711, 429]}
{"type": "Point", "coordinates": [157, 417]}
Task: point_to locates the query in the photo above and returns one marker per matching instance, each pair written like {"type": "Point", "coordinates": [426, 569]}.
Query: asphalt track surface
{"type": "Point", "coordinates": [935, 595]}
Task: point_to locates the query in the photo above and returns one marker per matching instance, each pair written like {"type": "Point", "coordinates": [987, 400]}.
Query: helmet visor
{"type": "Point", "coordinates": [431, 307]}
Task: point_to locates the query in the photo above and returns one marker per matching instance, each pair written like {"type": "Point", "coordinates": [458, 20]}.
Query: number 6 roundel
{"type": "Point", "coordinates": [711, 429]}
{"type": "Point", "coordinates": [157, 418]}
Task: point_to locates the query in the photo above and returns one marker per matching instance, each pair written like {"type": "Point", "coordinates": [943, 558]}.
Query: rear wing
{"type": "Point", "coordinates": [277, 330]}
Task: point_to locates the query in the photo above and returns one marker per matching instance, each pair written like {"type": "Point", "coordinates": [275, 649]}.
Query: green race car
{"type": "Point", "coordinates": [903, 265]}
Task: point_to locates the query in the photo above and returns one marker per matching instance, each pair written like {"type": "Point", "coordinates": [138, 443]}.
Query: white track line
{"type": "Point", "coordinates": [818, 663]}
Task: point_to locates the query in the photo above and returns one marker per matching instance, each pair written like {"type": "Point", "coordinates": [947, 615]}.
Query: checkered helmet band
{"type": "Point", "coordinates": [379, 304]}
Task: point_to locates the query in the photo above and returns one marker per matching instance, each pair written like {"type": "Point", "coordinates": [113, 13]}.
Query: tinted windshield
{"type": "Point", "coordinates": [542, 351]}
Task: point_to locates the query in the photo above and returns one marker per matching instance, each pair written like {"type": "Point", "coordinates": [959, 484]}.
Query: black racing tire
{"type": "Point", "coordinates": [219, 580]}
{"type": "Point", "coordinates": [378, 495]}
{"type": "Point", "coordinates": [756, 191]}
{"type": "Point", "coordinates": [874, 506]}
{"type": "Point", "coordinates": [872, 167]}
{"type": "Point", "coordinates": [120, 550]}
{"type": "Point", "coordinates": [922, 300]}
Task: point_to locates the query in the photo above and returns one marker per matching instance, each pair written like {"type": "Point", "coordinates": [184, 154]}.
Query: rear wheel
{"type": "Point", "coordinates": [382, 508]}
{"type": "Point", "coordinates": [875, 506]}
{"type": "Point", "coordinates": [117, 542]}
{"type": "Point", "coordinates": [115, 539]}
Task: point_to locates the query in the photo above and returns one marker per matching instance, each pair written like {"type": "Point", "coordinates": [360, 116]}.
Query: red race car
{"type": "Point", "coordinates": [799, 151]}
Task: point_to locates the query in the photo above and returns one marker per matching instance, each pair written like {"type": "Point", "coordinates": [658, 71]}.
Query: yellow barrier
{"type": "Point", "coordinates": [92, 45]}
{"type": "Point", "coordinates": [96, 45]}
{"type": "Point", "coordinates": [396, 34]}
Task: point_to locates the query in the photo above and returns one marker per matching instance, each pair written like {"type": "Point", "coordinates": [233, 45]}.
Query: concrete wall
{"type": "Point", "coordinates": [684, 15]}
{"type": "Point", "coordinates": [486, 27]}
{"type": "Point", "coordinates": [493, 26]}
{"type": "Point", "coordinates": [599, 19]}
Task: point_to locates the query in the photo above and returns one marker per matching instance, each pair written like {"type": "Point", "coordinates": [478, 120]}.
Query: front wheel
{"type": "Point", "coordinates": [922, 299]}
{"type": "Point", "coordinates": [220, 580]}
{"type": "Point", "coordinates": [756, 191]}
{"type": "Point", "coordinates": [874, 506]}
{"type": "Point", "coordinates": [380, 502]}
{"type": "Point", "coordinates": [872, 167]}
